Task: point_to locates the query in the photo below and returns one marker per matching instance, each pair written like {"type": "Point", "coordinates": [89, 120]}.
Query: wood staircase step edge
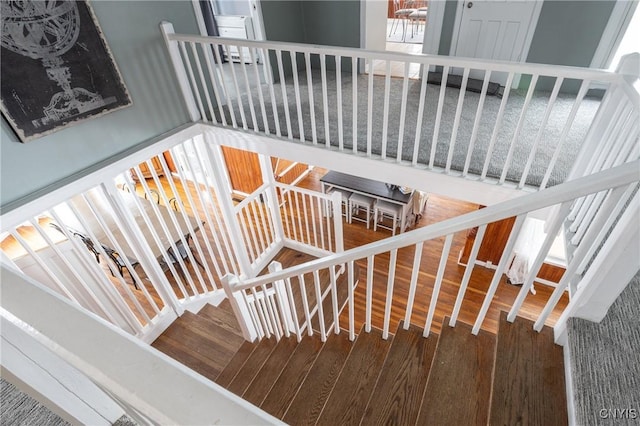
{"type": "Point", "coordinates": [252, 366]}
{"type": "Point", "coordinates": [292, 376]}
{"type": "Point", "coordinates": [229, 372]}
{"type": "Point", "coordinates": [351, 393]}
{"type": "Point", "coordinates": [386, 391]}
{"type": "Point", "coordinates": [460, 378]}
{"type": "Point", "coordinates": [306, 406]}
{"type": "Point", "coordinates": [270, 371]}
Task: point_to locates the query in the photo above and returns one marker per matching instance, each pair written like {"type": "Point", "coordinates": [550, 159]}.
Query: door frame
{"type": "Point", "coordinates": [433, 31]}
{"type": "Point", "coordinates": [614, 31]}
{"type": "Point", "coordinates": [528, 38]}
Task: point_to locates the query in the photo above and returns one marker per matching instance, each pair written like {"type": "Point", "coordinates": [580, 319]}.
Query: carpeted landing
{"type": "Point", "coordinates": [605, 363]}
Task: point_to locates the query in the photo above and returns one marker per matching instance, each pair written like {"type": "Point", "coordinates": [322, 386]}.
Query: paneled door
{"type": "Point", "coordinates": [491, 29]}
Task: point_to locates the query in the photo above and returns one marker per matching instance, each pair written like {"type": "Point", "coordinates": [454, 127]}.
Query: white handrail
{"type": "Point", "coordinates": [493, 65]}
{"type": "Point", "coordinates": [137, 375]}
{"type": "Point", "coordinates": [425, 135]}
{"type": "Point", "coordinates": [611, 178]}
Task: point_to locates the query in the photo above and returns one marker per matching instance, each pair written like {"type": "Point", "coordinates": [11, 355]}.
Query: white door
{"type": "Point", "coordinates": [500, 30]}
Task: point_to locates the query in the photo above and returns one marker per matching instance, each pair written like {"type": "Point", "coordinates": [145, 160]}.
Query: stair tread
{"type": "Point", "coordinates": [252, 366]}
{"type": "Point", "coordinates": [319, 382]}
{"type": "Point", "coordinates": [223, 316]}
{"type": "Point", "coordinates": [354, 386]}
{"type": "Point", "coordinates": [400, 387]}
{"type": "Point", "coordinates": [194, 361]}
{"type": "Point", "coordinates": [235, 364]}
{"type": "Point", "coordinates": [459, 383]}
{"type": "Point", "coordinates": [285, 388]}
{"type": "Point", "coordinates": [193, 340]}
{"type": "Point", "coordinates": [528, 385]}
{"type": "Point", "coordinates": [270, 371]}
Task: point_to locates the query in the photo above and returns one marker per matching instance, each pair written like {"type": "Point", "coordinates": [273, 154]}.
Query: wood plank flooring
{"type": "Point", "coordinates": [364, 365]}
{"type": "Point", "coordinates": [286, 387]}
{"type": "Point", "coordinates": [312, 395]}
{"type": "Point", "coordinates": [529, 385]}
{"type": "Point", "coordinates": [438, 208]}
{"type": "Point", "coordinates": [460, 379]}
{"type": "Point", "coordinates": [403, 379]}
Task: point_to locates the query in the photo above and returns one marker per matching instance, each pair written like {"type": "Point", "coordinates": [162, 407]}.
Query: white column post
{"type": "Point", "coordinates": [166, 28]}
{"type": "Point", "coordinates": [220, 186]}
{"type": "Point", "coordinates": [336, 204]}
{"type": "Point", "coordinates": [239, 306]}
{"type": "Point", "coordinates": [272, 196]}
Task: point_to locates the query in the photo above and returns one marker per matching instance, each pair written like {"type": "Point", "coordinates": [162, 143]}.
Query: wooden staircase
{"type": "Point", "coordinates": [454, 378]}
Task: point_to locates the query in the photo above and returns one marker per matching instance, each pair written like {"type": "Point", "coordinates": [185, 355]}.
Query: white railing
{"type": "Point", "coordinates": [545, 121]}
{"type": "Point", "coordinates": [311, 220]}
{"type": "Point", "coordinates": [135, 376]}
{"type": "Point", "coordinates": [617, 186]}
{"type": "Point", "coordinates": [258, 228]}
{"type": "Point", "coordinates": [150, 236]}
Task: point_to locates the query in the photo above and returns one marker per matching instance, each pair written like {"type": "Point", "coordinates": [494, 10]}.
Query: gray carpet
{"type": "Point", "coordinates": [531, 123]}
{"type": "Point", "coordinates": [605, 361]}
{"type": "Point", "coordinates": [18, 408]}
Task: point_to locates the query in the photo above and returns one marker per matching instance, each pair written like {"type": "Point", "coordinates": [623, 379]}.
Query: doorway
{"type": "Point", "coordinates": [404, 26]}
{"type": "Point", "coordinates": [496, 30]}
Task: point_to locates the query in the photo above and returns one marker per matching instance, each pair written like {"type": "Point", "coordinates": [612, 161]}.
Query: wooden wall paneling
{"type": "Point", "coordinates": [495, 239]}
{"type": "Point", "coordinates": [243, 168]}
{"type": "Point", "coordinates": [551, 272]}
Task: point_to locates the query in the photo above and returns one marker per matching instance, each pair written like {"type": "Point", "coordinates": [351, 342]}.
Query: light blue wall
{"type": "Point", "coordinates": [131, 30]}
{"type": "Point", "coordinates": [283, 20]}
{"type": "Point", "coordinates": [326, 22]}
{"type": "Point", "coordinates": [568, 32]}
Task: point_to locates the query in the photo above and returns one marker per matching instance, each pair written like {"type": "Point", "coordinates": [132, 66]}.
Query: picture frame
{"type": "Point", "coordinates": [57, 69]}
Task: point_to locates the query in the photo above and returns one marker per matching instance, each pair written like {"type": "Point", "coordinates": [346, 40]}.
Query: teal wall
{"type": "Point", "coordinates": [132, 32]}
{"type": "Point", "coordinates": [448, 21]}
{"type": "Point", "coordinates": [568, 32]}
{"type": "Point", "coordinates": [327, 22]}
{"type": "Point", "coordinates": [283, 20]}
{"type": "Point", "coordinates": [322, 22]}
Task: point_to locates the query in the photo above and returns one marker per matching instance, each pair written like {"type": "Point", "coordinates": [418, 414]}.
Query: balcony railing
{"type": "Point", "coordinates": [513, 124]}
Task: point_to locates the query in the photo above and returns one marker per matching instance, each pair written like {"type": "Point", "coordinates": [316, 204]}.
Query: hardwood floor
{"type": "Point", "coordinates": [438, 209]}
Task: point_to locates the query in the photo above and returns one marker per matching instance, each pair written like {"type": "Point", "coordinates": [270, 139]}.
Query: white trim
{"type": "Point", "coordinates": [531, 29]}
{"type": "Point", "coordinates": [457, 22]}
{"type": "Point", "coordinates": [136, 375]}
{"type": "Point", "coordinates": [433, 32]}
{"type": "Point", "coordinates": [568, 382]}
{"type": "Point", "coordinates": [104, 173]}
{"type": "Point", "coordinates": [614, 31]}
{"type": "Point", "coordinates": [257, 21]}
{"type": "Point", "coordinates": [49, 380]}
{"type": "Point", "coordinates": [199, 17]}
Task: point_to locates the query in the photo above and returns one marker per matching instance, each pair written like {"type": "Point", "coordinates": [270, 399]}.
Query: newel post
{"type": "Point", "coordinates": [240, 307]}
{"type": "Point", "coordinates": [336, 204]}
{"type": "Point", "coordinates": [166, 28]}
